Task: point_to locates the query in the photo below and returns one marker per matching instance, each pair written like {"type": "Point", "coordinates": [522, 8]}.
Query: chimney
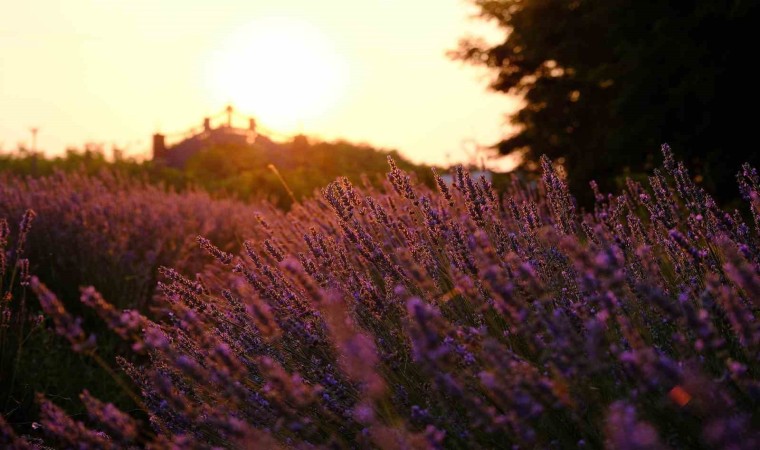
{"type": "Point", "coordinates": [206, 124]}
{"type": "Point", "coordinates": [159, 146]}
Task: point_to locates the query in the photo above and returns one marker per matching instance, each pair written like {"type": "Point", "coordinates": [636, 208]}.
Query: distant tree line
{"type": "Point", "coordinates": [246, 172]}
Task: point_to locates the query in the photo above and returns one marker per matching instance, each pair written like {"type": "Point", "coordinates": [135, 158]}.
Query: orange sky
{"type": "Point", "coordinates": [115, 71]}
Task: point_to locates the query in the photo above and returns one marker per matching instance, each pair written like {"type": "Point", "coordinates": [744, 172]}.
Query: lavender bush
{"type": "Point", "coordinates": [406, 318]}
{"type": "Point", "coordinates": [106, 230]}
{"type": "Point", "coordinates": [114, 232]}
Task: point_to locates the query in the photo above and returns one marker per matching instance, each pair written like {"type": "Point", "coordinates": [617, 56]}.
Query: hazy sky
{"type": "Point", "coordinates": [115, 71]}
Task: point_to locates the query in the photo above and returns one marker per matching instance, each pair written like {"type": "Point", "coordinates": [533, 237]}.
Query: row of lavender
{"type": "Point", "coordinates": [108, 231]}
{"type": "Point", "coordinates": [405, 318]}
{"type": "Point", "coordinates": [113, 232]}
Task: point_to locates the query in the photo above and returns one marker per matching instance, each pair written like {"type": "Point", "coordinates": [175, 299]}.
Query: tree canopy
{"type": "Point", "coordinates": [605, 82]}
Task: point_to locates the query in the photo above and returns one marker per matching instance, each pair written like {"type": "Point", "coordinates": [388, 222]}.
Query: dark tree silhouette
{"type": "Point", "coordinates": [606, 81]}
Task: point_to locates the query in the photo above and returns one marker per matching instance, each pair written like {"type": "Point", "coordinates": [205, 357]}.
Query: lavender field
{"type": "Point", "coordinates": [397, 317]}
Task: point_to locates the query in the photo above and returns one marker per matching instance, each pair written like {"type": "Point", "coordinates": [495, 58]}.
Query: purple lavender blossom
{"type": "Point", "coordinates": [405, 317]}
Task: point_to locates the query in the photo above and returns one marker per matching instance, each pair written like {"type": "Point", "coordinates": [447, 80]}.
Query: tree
{"type": "Point", "coordinates": [605, 82]}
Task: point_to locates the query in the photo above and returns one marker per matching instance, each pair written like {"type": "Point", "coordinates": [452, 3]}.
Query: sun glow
{"type": "Point", "coordinates": [283, 71]}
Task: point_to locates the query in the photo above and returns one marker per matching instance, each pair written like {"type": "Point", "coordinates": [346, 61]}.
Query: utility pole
{"type": "Point", "coordinates": [34, 131]}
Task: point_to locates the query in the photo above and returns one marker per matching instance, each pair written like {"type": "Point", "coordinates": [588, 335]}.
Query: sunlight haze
{"type": "Point", "coordinates": [279, 69]}
{"type": "Point", "coordinates": [374, 71]}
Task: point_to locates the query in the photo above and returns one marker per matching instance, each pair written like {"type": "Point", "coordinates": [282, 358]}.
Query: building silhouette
{"type": "Point", "coordinates": [207, 136]}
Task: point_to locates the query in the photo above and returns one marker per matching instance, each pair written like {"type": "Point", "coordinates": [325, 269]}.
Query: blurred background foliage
{"type": "Point", "coordinates": [243, 172]}
{"type": "Point", "coordinates": [605, 82]}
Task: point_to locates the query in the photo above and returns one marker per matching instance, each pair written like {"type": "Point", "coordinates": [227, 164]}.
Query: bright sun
{"type": "Point", "coordinates": [282, 71]}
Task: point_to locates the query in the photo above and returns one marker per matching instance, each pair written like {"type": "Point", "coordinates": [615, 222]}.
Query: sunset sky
{"type": "Point", "coordinates": [374, 71]}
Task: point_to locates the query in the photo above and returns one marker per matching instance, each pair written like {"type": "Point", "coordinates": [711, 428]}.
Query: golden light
{"type": "Point", "coordinates": [281, 70]}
